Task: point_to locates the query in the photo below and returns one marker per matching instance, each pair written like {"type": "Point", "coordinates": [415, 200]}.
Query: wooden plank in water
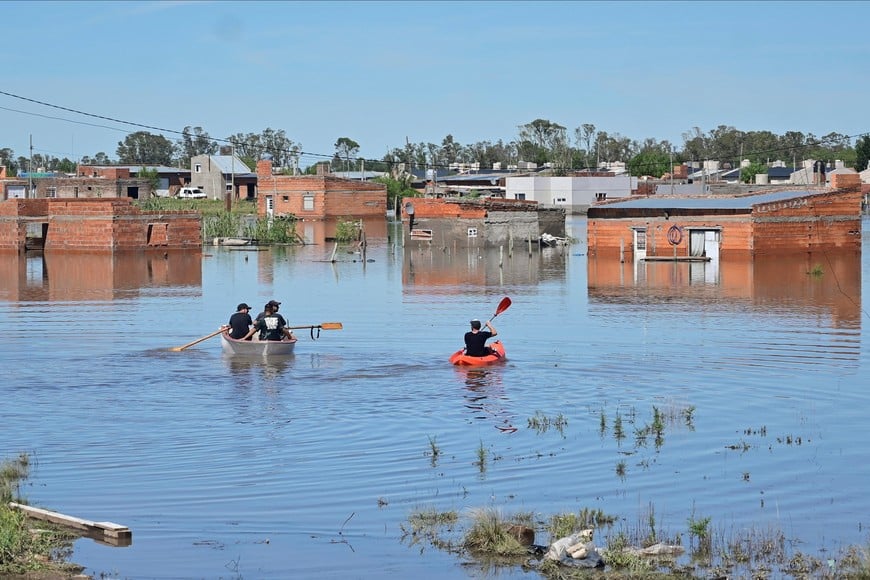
{"type": "Point", "coordinates": [110, 529]}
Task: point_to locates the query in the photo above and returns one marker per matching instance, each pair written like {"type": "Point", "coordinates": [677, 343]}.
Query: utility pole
{"type": "Point", "coordinates": [30, 173]}
{"type": "Point", "coordinates": [229, 194]}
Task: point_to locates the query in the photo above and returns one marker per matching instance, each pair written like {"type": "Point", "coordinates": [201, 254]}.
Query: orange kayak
{"type": "Point", "coordinates": [460, 358]}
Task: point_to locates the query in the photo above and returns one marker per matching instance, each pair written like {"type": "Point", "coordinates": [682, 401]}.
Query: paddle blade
{"type": "Point", "coordinates": [503, 305]}
{"type": "Point", "coordinates": [331, 326]}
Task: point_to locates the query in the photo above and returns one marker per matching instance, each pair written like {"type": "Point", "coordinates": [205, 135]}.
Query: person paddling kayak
{"type": "Point", "coordinates": [475, 339]}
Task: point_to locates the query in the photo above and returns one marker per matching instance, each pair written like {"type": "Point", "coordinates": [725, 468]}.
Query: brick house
{"type": "Point", "coordinates": [707, 228]}
{"type": "Point", "coordinates": [169, 179]}
{"type": "Point", "coordinates": [317, 197]}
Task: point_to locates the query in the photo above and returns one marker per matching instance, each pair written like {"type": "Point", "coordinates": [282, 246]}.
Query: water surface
{"type": "Point", "coordinates": [308, 466]}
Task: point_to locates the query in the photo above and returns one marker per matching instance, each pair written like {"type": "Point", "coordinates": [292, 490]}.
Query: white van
{"type": "Point", "coordinates": [191, 193]}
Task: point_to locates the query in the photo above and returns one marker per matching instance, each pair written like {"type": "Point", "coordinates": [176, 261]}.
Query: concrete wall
{"type": "Point", "coordinates": [578, 193]}
{"type": "Point", "coordinates": [485, 223]}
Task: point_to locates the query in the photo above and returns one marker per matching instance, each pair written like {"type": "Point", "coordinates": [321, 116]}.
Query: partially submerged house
{"type": "Point", "coordinates": [712, 227]}
{"type": "Point", "coordinates": [320, 199]}
{"type": "Point", "coordinates": [94, 225]}
{"type": "Point", "coordinates": [479, 222]}
{"type": "Point", "coordinates": [317, 197]}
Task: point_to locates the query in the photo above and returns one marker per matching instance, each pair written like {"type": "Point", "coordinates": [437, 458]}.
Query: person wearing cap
{"type": "Point", "coordinates": [240, 322]}
{"type": "Point", "coordinates": [274, 304]}
{"type": "Point", "coordinates": [272, 325]}
{"type": "Point", "coordinates": [475, 339]}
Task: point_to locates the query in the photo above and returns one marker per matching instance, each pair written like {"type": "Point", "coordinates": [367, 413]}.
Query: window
{"type": "Point", "coordinates": [308, 202]}
{"type": "Point", "coordinates": [51, 192]}
{"type": "Point", "coordinates": [197, 167]}
{"type": "Point", "coordinates": [520, 196]}
{"type": "Point", "coordinates": [472, 232]}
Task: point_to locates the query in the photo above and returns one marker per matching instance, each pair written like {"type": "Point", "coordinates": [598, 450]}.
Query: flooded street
{"type": "Point", "coordinates": [308, 465]}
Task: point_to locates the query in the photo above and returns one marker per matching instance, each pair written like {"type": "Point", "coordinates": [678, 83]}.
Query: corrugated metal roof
{"type": "Point", "coordinates": [138, 168]}
{"type": "Point", "coordinates": [707, 202]}
{"type": "Point", "coordinates": [227, 164]}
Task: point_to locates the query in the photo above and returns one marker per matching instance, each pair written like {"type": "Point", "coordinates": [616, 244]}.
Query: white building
{"type": "Point", "coordinates": [575, 194]}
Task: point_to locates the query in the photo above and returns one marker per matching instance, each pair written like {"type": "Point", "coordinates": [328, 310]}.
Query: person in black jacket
{"type": "Point", "coordinates": [240, 322]}
{"type": "Point", "coordinates": [475, 339]}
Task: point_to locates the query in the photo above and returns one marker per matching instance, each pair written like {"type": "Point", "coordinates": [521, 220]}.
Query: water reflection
{"type": "Point", "coordinates": [485, 396]}
{"type": "Point", "coordinates": [431, 266]}
{"type": "Point", "coordinates": [38, 276]}
{"type": "Point", "coordinates": [810, 284]}
{"type": "Point", "coordinates": [250, 369]}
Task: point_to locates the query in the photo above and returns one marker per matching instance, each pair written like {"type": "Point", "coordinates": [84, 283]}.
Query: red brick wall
{"type": "Point", "coordinates": [105, 172]}
{"type": "Point", "coordinates": [96, 224]}
{"type": "Point", "coordinates": [605, 235]}
{"type": "Point", "coordinates": [827, 221]}
{"type": "Point", "coordinates": [332, 196]}
{"type": "Point", "coordinates": [846, 181]}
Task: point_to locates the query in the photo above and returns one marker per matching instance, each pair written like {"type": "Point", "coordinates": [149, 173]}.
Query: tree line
{"type": "Point", "coordinates": [541, 141]}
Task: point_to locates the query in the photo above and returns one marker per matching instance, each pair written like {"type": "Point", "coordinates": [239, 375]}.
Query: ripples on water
{"type": "Point", "coordinates": [308, 465]}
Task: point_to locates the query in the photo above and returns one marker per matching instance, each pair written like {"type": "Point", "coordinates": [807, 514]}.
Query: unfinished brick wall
{"type": "Point", "coordinates": [826, 221]}
{"type": "Point", "coordinates": [846, 181]}
{"type": "Point", "coordinates": [318, 196]}
{"type": "Point", "coordinates": [96, 224]}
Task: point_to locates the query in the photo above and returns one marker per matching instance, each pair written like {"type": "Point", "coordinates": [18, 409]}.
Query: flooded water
{"type": "Point", "coordinates": [307, 466]}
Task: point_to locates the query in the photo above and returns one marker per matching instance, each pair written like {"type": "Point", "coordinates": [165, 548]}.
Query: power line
{"type": "Point", "coordinates": [300, 153]}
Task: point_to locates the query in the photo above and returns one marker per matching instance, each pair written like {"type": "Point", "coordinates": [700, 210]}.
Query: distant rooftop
{"type": "Point", "coordinates": [708, 202]}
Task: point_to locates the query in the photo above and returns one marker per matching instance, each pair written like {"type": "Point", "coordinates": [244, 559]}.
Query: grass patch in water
{"type": "Point", "coordinates": [23, 550]}
{"type": "Point", "coordinates": [635, 552]}
{"type": "Point", "coordinates": [489, 535]}
{"type": "Point", "coordinates": [542, 423]}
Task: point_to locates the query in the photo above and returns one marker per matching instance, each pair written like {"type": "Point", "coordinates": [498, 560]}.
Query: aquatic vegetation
{"type": "Point", "coordinates": [489, 535]}
{"type": "Point", "coordinates": [482, 454]}
{"type": "Point", "coordinates": [21, 550]}
{"type": "Point", "coordinates": [542, 423]}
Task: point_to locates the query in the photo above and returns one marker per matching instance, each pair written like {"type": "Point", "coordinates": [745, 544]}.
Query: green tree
{"type": "Point", "coordinates": [195, 142]}
{"type": "Point", "coordinates": [7, 159]}
{"type": "Point", "coordinates": [862, 153]}
{"type": "Point", "coordinates": [66, 166]}
{"type": "Point", "coordinates": [345, 148]}
{"type": "Point", "coordinates": [546, 142]}
{"type": "Point", "coordinates": [651, 161]}
{"type": "Point", "coordinates": [396, 188]}
{"type": "Point", "coordinates": [144, 148]}
{"type": "Point", "coordinates": [151, 175]}
{"type": "Point", "coordinates": [284, 151]}
{"type": "Point", "coordinates": [748, 173]}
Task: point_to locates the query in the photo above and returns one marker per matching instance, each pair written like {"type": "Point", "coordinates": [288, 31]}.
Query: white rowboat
{"type": "Point", "coordinates": [256, 347]}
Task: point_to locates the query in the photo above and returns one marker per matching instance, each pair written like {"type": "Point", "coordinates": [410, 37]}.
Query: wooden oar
{"type": "Point", "coordinates": [319, 327]}
{"type": "Point", "coordinates": [322, 325]}
{"type": "Point", "coordinates": [198, 340]}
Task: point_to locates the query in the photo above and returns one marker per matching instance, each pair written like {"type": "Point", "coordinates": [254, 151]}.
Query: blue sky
{"type": "Point", "coordinates": [383, 72]}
